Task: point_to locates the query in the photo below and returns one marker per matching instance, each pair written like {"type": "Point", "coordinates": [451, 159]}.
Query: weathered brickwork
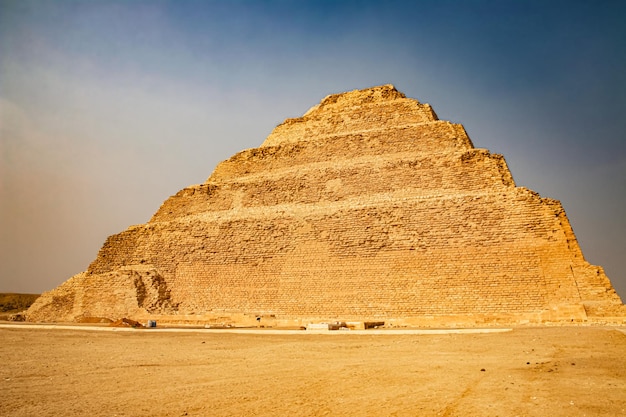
{"type": "Point", "coordinates": [366, 208]}
{"type": "Point", "coordinates": [353, 111]}
{"type": "Point", "coordinates": [427, 139]}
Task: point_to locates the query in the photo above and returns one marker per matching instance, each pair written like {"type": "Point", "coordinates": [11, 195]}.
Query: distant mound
{"type": "Point", "coordinates": [11, 303]}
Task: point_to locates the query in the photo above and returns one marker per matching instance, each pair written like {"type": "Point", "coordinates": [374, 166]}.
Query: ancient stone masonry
{"type": "Point", "coordinates": [366, 208]}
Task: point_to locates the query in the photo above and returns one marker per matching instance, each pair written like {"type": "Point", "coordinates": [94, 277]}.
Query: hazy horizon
{"type": "Point", "coordinates": [108, 108]}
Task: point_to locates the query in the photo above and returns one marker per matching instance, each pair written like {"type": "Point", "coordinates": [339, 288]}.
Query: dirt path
{"type": "Point", "coordinates": [573, 371]}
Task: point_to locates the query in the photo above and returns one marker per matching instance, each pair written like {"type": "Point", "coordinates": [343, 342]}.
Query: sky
{"type": "Point", "coordinates": [109, 107]}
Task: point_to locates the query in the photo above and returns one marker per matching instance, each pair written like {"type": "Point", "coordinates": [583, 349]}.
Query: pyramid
{"type": "Point", "coordinates": [366, 208]}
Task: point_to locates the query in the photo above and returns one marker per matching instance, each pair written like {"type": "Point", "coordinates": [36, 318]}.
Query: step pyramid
{"type": "Point", "coordinates": [366, 208]}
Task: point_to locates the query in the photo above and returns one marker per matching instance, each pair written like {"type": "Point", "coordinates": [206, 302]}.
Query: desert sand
{"type": "Point", "coordinates": [547, 371]}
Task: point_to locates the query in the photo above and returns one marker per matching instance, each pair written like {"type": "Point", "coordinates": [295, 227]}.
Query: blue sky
{"type": "Point", "coordinates": [109, 107]}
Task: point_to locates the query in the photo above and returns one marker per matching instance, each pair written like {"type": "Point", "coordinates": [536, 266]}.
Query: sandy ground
{"type": "Point", "coordinates": [551, 371]}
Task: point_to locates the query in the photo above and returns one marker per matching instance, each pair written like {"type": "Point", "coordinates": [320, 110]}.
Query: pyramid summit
{"type": "Point", "coordinates": [366, 208]}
